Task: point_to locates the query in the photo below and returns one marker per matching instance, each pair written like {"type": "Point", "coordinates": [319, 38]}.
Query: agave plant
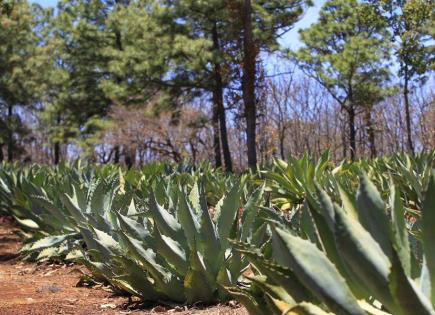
{"type": "Point", "coordinates": [360, 261]}
{"type": "Point", "coordinates": [410, 174]}
{"type": "Point", "coordinates": [161, 233]}
{"type": "Point", "coordinates": [8, 182]}
{"type": "Point", "coordinates": [287, 181]}
{"type": "Point", "coordinates": [173, 250]}
{"type": "Point", "coordinates": [32, 196]}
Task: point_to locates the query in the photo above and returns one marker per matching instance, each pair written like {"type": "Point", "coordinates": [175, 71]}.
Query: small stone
{"type": "Point", "coordinates": [106, 306]}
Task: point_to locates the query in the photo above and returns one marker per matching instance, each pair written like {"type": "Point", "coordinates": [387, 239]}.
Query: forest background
{"type": "Point", "coordinates": [232, 82]}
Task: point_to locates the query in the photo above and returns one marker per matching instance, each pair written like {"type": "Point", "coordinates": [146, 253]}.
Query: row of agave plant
{"type": "Point", "coordinates": [296, 237]}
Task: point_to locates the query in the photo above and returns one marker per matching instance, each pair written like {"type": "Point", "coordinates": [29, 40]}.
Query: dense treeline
{"type": "Point", "coordinates": [131, 81]}
{"type": "Point", "coordinates": [296, 237]}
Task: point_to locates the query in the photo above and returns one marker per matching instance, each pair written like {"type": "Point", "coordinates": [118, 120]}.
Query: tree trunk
{"type": "Point", "coordinates": [116, 157]}
{"type": "Point", "coordinates": [193, 149]}
{"type": "Point", "coordinates": [57, 143]}
{"type": "Point", "coordinates": [118, 79]}
{"type": "Point", "coordinates": [341, 122]}
{"type": "Point", "coordinates": [56, 153]}
{"type": "Point", "coordinates": [10, 135]}
{"type": "Point", "coordinates": [281, 145]}
{"type": "Point", "coordinates": [216, 140]}
{"type": "Point", "coordinates": [408, 115]}
{"type": "Point", "coordinates": [370, 133]}
{"type": "Point", "coordinates": [352, 132]}
{"type": "Point", "coordinates": [248, 83]}
{"type": "Point", "coordinates": [130, 158]}
{"type": "Point", "coordinates": [344, 142]}
{"type": "Point", "coordinates": [281, 142]}
{"type": "Point", "coordinates": [1, 153]}
{"type": "Point", "coordinates": [218, 98]}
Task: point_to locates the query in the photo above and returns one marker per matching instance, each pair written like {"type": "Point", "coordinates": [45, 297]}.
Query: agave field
{"type": "Point", "coordinates": [295, 237]}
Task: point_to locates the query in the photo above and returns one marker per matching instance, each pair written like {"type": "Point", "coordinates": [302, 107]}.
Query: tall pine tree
{"type": "Point", "coordinates": [260, 24]}
{"type": "Point", "coordinates": [347, 52]}
{"type": "Point", "coordinates": [410, 22]}
{"type": "Point", "coordinates": [17, 50]}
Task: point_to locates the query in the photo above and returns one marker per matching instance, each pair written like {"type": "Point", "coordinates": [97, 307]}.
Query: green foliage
{"type": "Point", "coordinates": [287, 181]}
{"type": "Point", "coordinates": [346, 51]}
{"type": "Point", "coordinates": [177, 252]}
{"type": "Point", "coordinates": [193, 38]}
{"type": "Point", "coordinates": [410, 23]}
{"type": "Point", "coordinates": [187, 234]}
{"type": "Point", "coordinates": [359, 260]}
{"type": "Point", "coordinates": [151, 233]}
{"type": "Point", "coordinates": [18, 45]}
{"type": "Point", "coordinates": [292, 183]}
{"type": "Point", "coordinates": [73, 68]}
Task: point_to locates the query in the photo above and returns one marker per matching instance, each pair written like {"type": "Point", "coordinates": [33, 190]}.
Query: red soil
{"type": "Point", "coordinates": [27, 288]}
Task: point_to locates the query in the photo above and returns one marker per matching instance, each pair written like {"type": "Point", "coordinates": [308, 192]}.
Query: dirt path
{"type": "Point", "coordinates": [50, 289]}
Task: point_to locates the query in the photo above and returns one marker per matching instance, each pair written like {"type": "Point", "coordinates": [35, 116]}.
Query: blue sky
{"type": "Point", "coordinates": [45, 3]}
{"type": "Point", "coordinates": [290, 40]}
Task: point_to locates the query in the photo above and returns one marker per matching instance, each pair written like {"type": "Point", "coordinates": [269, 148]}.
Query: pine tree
{"type": "Point", "coordinates": [173, 50]}
{"type": "Point", "coordinates": [259, 24]}
{"type": "Point", "coordinates": [410, 22]}
{"type": "Point", "coordinates": [192, 48]}
{"type": "Point", "coordinates": [17, 48]}
{"type": "Point", "coordinates": [347, 52]}
{"type": "Point", "coordinates": [75, 101]}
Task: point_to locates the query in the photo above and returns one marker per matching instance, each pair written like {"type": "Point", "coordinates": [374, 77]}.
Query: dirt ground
{"type": "Point", "coordinates": [27, 288]}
